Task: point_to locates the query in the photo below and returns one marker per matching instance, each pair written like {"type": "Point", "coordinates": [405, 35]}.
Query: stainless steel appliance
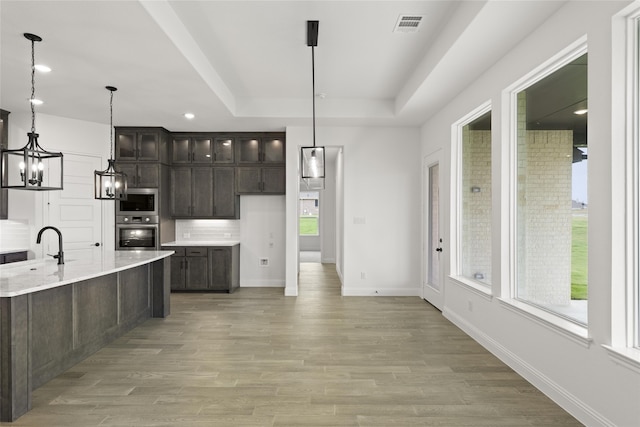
{"type": "Point", "coordinates": [137, 232]}
{"type": "Point", "coordinates": [140, 202]}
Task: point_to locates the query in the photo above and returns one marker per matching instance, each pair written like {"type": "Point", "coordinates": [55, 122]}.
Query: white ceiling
{"type": "Point", "coordinates": [244, 65]}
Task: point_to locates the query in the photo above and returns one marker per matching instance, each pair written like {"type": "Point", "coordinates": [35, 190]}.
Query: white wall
{"type": "Point", "coordinates": [262, 235]}
{"type": "Point", "coordinates": [381, 179]}
{"type": "Point", "coordinates": [68, 136]}
{"type": "Point", "coordinates": [577, 373]}
{"type": "Point", "coordinates": [328, 215]}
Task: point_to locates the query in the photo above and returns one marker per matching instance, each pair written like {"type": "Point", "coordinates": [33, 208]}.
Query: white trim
{"type": "Point", "coordinates": [478, 288]}
{"type": "Point", "coordinates": [551, 321]}
{"type": "Point", "coordinates": [627, 357]}
{"type": "Point", "coordinates": [434, 296]}
{"type": "Point", "coordinates": [263, 283]}
{"type": "Point", "coordinates": [565, 399]}
{"type": "Point", "coordinates": [456, 187]}
{"type": "Point", "coordinates": [382, 292]}
{"type": "Point", "coordinates": [508, 290]}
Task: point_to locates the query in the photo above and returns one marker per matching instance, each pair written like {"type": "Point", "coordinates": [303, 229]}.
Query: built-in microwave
{"type": "Point", "coordinates": [140, 201]}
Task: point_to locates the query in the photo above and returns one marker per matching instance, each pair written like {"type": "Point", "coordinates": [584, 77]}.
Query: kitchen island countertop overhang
{"type": "Point", "coordinates": [35, 275]}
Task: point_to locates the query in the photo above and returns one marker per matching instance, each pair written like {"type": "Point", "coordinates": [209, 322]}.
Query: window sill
{"type": "Point", "coordinates": [577, 333]}
{"type": "Point", "coordinates": [478, 288]}
{"type": "Point", "coordinates": [624, 356]}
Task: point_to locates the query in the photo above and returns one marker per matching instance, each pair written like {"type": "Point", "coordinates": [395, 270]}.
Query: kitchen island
{"type": "Point", "coordinates": [53, 316]}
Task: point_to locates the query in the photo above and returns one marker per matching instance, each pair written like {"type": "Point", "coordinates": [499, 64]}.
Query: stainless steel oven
{"type": "Point", "coordinates": [137, 232]}
{"type": "Point", "coordinates": [139, 202]}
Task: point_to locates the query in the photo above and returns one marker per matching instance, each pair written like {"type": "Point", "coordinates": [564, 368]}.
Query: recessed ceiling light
{"type": "Point", "coordinates": [189, 116]}
{"type": "Point", "coordinates": [581, 112]}
{"type": "Point", "coordinates": [35, 101]}
{"type": "Point", "coordinates": [42, 68]}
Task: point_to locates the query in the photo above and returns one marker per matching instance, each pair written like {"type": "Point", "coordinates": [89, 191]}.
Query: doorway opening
{"type": "Point", "coordinates": [309, 227]}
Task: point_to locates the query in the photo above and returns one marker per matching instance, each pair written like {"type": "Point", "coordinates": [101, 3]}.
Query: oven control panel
{"type": "Point", "coordinates": [135, 219]}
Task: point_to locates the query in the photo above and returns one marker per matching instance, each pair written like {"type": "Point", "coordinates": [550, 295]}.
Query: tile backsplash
{"type": "Point", "coordinates": [14, 234]}
{"type": "Point", "coordinates": [207, 229]}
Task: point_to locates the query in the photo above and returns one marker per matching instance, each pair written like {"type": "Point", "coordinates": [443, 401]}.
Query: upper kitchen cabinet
{"type": "Point", "coordinates": [191, 149]}
{"type": "Point", "coordinates": [223, 150]}
{"type": "Point", "coordinates": [260, 180]}
{"type": "Point", "coordinates": [264, 149]}
{"type": "Point", "coordinates": [141, 145]}
{"type": "Point", "coordinates": [4, 143]}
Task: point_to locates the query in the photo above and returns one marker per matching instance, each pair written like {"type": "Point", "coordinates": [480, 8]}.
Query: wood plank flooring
{"type": "Point", "coordinates": [257, 358]}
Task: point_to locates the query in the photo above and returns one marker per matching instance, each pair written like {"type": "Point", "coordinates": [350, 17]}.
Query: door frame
{"type": "Point", "coordinates": [429, 293]}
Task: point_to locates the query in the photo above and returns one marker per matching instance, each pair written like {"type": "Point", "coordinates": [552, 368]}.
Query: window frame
{"type": "Point", "coordinates": [455, 264]}
{"type": "Point", "coordinates": [508, 288]}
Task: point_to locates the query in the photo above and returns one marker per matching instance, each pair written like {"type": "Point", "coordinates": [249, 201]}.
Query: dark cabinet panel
{"type": "Point", "coordinates": [178, 281]}
{"type": "Point", "coordinates": [266, 149]}
{"type": "Point", "coordinates": [13, 257]}
{"type": "Point", "coordinates": [226, 204]}
{"type": "Point", "coordinates": [139, 144]}
{"type": "Point", "coordinates": [219, 261]}
{"type": "Point", "coordinates": [190, 268]}
{"type": "Point", "coordinates": [196, 272]}
{"type": "Point", "coordinates": [223, 150]}
{"type": "Point", "coordinates": [260, 180]}
{"type": "Point", "coordinates": [192, 192]}
{"type": "Point", "coordinates": [141, 175]}
{"type": "Point", "coordinates": [187, 149]}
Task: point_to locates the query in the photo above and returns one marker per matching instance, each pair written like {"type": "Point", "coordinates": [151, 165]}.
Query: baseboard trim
{"type": "Point", "coordinates": [570, 403]}
{"type": "Point", "coordinates": [274, 283]}
{"type": "Point", "coordinates": [380, 292]}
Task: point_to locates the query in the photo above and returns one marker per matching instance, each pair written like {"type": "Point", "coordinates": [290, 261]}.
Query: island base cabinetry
{"type": "Point", "coordinates": [44, 333]}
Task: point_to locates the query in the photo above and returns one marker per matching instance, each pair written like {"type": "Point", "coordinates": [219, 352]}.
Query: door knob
{"type": "Point", "coordinates": [438, 249]}
{"type": "Point", "coordinates": [96, 244]}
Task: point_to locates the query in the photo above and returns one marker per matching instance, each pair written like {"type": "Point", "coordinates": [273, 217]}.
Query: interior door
{"type": "Point", "coordinates": [433, 290]}
{"type": "Point", "coordinates": [74, 210]}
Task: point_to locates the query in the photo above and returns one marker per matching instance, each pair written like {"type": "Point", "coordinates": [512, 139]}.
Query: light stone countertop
{"type": "Point", "coordinates": [25, 277]}
{"type": "Point", "coordinates": [202, 243]}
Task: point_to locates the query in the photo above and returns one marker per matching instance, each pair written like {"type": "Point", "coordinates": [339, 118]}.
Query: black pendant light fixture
{"type": "Point", "coordinates": [31, 167]}
{"type": "Point", "coordinates": [312, 158]}
{"type": "Point", "coordinates": [110, 184]}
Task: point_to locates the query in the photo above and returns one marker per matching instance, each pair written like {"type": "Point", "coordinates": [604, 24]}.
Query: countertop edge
{"type": "Point", "coordinates": [80, 278]}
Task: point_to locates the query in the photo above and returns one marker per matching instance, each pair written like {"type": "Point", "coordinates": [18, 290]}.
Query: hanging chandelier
{"type": "Point", "coordinates": [312, 158]}
{"type": "Point", "coordinates": [110, 184]}
{"type": "Point", "coordinates": [31, 167]}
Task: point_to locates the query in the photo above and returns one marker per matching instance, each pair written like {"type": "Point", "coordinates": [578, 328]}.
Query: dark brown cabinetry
{"type": "Point", "coordinates": [189, 268]}
{"type": "Point", "coordinates": [141, 175]}
{"type": "Point", "coordinates": [139, 153]}
{"type": "Point", "coordinates": [224, 268]}
{"type": "Point", "coordinates": [203, 192]}
{"type": "Point", "coordinates": [202, 268]}
{"type": "Point", "coordinates": [141, 145]}
{"type": "Point", "coordinates": [269, 149]}
{"type": "Point", "coordinates": [187, 149]}
{"type": "Point", "coordinates": [4, 143]}
{"type": "Point", "coordinates": [256, 180]}
{"type": "Point", "coordinates": [224, 150]}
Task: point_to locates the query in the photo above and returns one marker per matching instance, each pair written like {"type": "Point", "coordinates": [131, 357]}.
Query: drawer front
{"type": "Point", "coordinates": [197, 251]}
{"type": "Point", "coordinates": [178, 251]}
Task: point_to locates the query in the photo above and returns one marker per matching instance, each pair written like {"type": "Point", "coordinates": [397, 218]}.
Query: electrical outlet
{"type": "Point", "coordinates": [270, 245]}
{"type": "Point", "coordinates": [227, 235]}
{"type": "Point", "coordinates": [186, 235]}
{"type": "Point", "coordinates": [363, 275]}
{"type": "Point", "coordinates": [264, 262]}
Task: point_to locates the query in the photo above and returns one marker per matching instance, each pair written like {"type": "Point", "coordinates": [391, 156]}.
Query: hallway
{"type": "Point", "coordinates": [257, 358]}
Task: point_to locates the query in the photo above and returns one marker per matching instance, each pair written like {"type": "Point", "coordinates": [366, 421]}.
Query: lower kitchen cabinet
{"type": "Point", "coordinates": [205, 268]}
{"type": "Point", "coordinates": [9, 257]}
{"type": "Point", "coordinates": [189, 268]}
{"type": "Point", "coordinates": [224, 268]}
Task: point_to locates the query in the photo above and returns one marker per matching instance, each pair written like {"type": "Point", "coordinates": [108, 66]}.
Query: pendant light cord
{"type": "Point", "coordinates": [33, 87]}
{"type": "Point", "coordinates": [111, 125]}
{"type": "Point", "coordinates": [313, 87]}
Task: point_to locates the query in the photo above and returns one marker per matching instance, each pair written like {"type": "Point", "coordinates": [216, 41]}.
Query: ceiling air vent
{"type": "Point", "coordinates": [408, 24]}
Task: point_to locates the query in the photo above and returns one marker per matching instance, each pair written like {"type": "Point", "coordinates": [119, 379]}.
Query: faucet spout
{"type": "Point", "coordinates": [60, 256]}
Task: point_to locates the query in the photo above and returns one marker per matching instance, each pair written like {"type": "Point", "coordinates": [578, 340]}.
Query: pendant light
{"type": "Point", "coordinates": [31, 167]}
{"type": "Point", "coordinates": [312, 158]}
{"type": "Point", "coordinates": [110, 184]}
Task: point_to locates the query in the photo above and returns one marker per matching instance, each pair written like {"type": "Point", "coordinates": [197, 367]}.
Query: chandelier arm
{"type": "Point", "coordinates": [313, 88]}
{"type": "Point", "coordinates": [111, 125]}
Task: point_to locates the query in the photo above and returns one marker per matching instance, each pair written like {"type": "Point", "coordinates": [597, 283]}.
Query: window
{"type": "Point", "coordinates": [473, 175]}
{"type": "Point", "coordinates": [309, 213]}
{"type": "Point", "coordinates": [551, 191]}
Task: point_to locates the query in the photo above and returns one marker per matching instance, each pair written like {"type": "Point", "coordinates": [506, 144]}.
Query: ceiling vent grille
{"type": "Point", "coordinates": [408, 24]}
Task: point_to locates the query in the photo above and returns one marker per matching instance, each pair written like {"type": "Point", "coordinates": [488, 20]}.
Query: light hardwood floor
{"type": "Point", "coordinates": [257, 358]}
